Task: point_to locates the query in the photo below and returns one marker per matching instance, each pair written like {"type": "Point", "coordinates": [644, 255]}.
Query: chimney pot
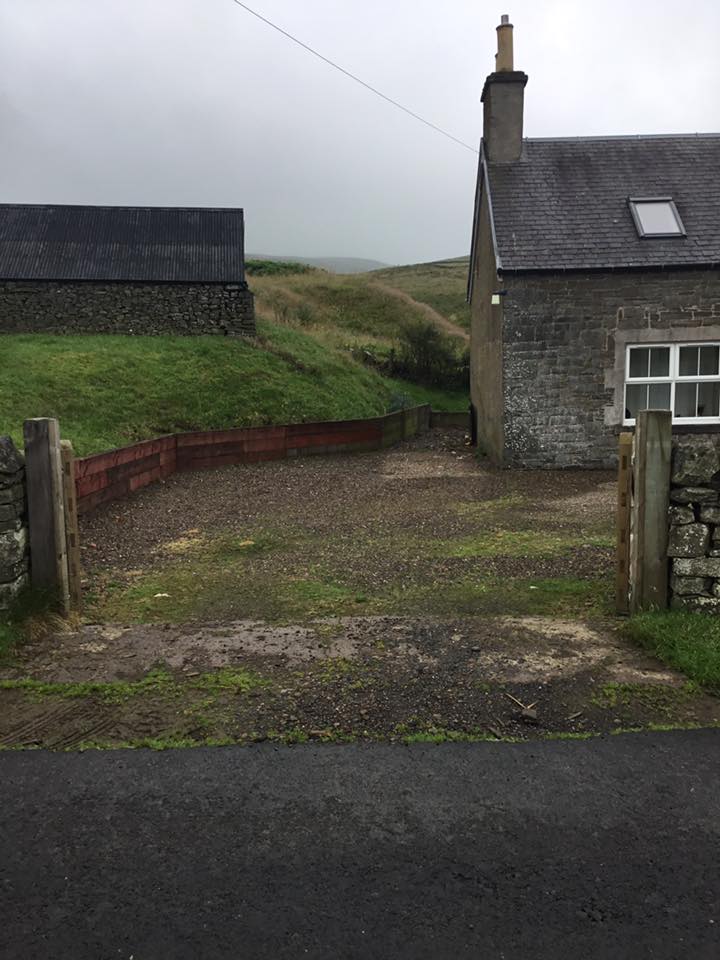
{"type": "Point", "coordinates": [504, 55]}
{"type": "Point", "coordinates": [503, 100]}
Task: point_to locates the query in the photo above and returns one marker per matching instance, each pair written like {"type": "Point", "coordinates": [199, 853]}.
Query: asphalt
{"type": "Point", "coordinates": [564, 849]}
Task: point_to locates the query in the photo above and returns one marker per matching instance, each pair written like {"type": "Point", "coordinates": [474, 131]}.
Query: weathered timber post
{"type": "Point", "coordinates": [72, 529]}
{"type": "Point", "coordinates": [46, 513]}
{"type": "Point", "coordinates": [624, 497]}
{"type": "Point", "coordinates": [651, 500]}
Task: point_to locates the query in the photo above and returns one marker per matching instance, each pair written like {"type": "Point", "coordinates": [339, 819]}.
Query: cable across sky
{"type": "Point", "coordinates": [352, 76]}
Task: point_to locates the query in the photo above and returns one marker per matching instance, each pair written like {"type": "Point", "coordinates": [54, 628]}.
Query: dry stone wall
{"type": "Point", "coordinates": [694, 542]}
{"type": "Point", "coordinates": [14, 547]}
{"type": "Point", "coordinates": [127, 308]}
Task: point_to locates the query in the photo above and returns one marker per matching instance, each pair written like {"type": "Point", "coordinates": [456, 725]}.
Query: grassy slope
{"type": "Point", "coordinates": [111, 390]}
{"type": "Point", "coordinates": [442, 285]}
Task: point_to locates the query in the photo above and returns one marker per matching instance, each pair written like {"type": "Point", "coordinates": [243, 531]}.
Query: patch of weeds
{"type": "Point", "coordinates": [229, 680]}
{"type": "Point", "coordinates": [319, 597]}
{"type": "Point", "coordinates": [650, 696]}
{"type": "Point", "coordinates": [336, 668]}
{"type": "Point", "coordinates": [517, 543]}
{"type": "Point", "coordinates": [30, 615]}
{"type": "Point", "coordinates": [409, 733]}
{"type": "Point", "coordinates": [664, 728]}
{"type": "Point", "coordinates": [10, 637]}
{"type": "Point", "coordinates": [288, 737]}
{"type": "Point", "coordinates": [561, 597]}
{"type": "Point", "coordinates": [151, 743]}
{"type": "Point", "coordinates": [233, 547]}
{"type": "Point", "coordinates": [157, 681]}
{"type": "Point", "coordinates": [683, 639]}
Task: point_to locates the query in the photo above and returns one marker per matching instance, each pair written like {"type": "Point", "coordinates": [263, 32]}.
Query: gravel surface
{"type": "Point", "coordinates": [370, 507]}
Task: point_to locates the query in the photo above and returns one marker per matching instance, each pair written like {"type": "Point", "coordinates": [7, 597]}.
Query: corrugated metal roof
{"type": "Point", "coordinates": [564, 204]}
{"type": "Point", "coordinates": [180, 244]}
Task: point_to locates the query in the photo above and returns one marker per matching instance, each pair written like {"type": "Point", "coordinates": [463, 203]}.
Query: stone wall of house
{"type": "Point", "coordinates": [564, 344]}
{"type": "Point", "coordinates": [694, 542]}
{"type": "Point", "coordinates": [14, 549]}
{"type": "Point", "coordinates": [136, 308]}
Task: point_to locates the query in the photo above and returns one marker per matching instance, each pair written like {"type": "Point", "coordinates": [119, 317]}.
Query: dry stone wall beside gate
{"type": "Point", "coordinates": [694, 540]}
{"type": "Point", "coordinates": [14, 549]}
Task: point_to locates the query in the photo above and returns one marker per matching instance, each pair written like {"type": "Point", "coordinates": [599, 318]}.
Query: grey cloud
{"type": "Point", "coordinates": [195, 102]}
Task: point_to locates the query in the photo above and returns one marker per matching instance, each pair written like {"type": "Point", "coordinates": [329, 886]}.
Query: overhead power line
{"type": "Point", "coordinates": [352, 76]}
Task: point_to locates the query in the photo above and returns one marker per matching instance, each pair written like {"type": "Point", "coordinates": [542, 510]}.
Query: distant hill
{"type": "Point", "coordinates": [442, 285]}
{"type": "Point", "coordinates": [333, 264]}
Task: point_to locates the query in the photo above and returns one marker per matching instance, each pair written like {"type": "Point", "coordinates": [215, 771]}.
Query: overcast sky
{"type": "Point", "coordinates": [195, 102]}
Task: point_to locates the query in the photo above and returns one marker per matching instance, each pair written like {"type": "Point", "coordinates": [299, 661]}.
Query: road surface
{"type": "Point", "coordinates": [601, 848]}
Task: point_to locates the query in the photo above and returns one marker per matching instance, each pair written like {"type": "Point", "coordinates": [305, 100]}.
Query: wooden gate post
{"type": "Point", "coordinates": [72, 529]}
{"type": "Point", "coordinates": [651, 500]}
{"type": "Point", "coordinates": [46, 514]}
{"type": "Point", "coordinates": [624, 497]}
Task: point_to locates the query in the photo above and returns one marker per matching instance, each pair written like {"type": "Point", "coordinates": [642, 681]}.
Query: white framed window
{"type": "Point", "coordinates": [682, 377]}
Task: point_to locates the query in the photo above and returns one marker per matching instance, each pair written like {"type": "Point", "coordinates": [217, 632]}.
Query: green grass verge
{"type": "Point", "coordinates": [171, 384]}
{"type": "Point", "coordinates": [688, 641]}
{"type": "Point", "coordinates": [157, 682]}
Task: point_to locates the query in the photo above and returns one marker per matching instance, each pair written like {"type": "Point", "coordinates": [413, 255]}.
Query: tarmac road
{"type": "Point", "coordinates": [564, 849]}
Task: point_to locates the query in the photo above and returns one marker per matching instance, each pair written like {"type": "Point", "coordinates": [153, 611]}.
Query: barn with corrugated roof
{"type": "Point", "coordinates": [110, 269]}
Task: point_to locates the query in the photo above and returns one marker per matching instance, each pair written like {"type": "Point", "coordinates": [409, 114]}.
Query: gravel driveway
{"type": "Point", "coordinates": [414, 593]}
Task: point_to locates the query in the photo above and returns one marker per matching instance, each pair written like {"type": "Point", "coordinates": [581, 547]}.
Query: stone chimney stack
{"type": "Point", "coordinates": [503, 96]}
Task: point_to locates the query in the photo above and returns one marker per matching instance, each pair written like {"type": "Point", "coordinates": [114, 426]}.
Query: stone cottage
{"type": "Point", "coordinates": [141, 270]}
{"type": "Point", "coordinates": [594, 284]}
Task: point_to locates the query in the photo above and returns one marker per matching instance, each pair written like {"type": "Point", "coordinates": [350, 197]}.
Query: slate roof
{"type": "Point", "coordinates": [564, 204]}
{"type": "Point", "coordinates": [181, 244]}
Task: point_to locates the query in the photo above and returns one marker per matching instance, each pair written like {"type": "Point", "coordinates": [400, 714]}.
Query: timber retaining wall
{"type": "Point", "coordinates": [109, 476]}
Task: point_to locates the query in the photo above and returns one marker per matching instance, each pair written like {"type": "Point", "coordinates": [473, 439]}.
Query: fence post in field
{"type": "Point", "coordinates": [624, 498]}
{"type": "Point", "coordinates": [72, 529]}
{"type": "Point", "coordinates": [46, 513]}
{"type": "Point", "coordinates": [651, 500]}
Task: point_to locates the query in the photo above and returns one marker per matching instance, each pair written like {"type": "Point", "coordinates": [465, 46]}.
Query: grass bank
{"type": "Point", "coordinates": [687, 641]}
{"type": "Point", "coordinates": [108, 391]}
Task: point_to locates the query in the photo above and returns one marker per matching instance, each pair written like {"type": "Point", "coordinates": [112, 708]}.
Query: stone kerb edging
{"type": "Point", "coordinates": [694, 543]}
{"type": "Point", "coordinates": [14, 549]}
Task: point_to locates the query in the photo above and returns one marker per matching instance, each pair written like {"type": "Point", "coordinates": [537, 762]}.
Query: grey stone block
{"type": "Point", "coordinates": [697, 567]}
{"type": "Point", "coordinates": [11, 461]}
{"type": "Point", "coordinates": [9, 591]}
{"type": "Point", "coordinates": [704, 495]}
{"type": "Point", "coordinates": [690, 586]}
{"type": "Point", "coordinates": [697, 604]}
{"type": "Point", "coordinates": [696, 464]}
{"type": "Point", "coordinates": [710, 515]}
{"type": "Point", "coordinates": [13, 554]}
{"type": "Point", "coordinates": [689, 540]}
{"type": "Point", "coordinates": [679, 515]}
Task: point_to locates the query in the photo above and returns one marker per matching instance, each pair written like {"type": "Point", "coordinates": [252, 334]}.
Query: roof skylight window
{"type": "Point", "coordinates": [656, 217]}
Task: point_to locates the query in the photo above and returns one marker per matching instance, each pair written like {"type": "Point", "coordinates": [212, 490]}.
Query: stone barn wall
{"type": "Point", "coordinates": [564, 343]}
{"type": "Point", "coordinates": [130, 308]}
{"type": "Point", "coordinates": [694, 543]}
{"type": "Point", "coordinates": [14, 549]}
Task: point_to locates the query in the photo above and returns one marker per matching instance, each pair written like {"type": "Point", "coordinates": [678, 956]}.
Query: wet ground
{"type": "Point", "coordinates": [413, 594]}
